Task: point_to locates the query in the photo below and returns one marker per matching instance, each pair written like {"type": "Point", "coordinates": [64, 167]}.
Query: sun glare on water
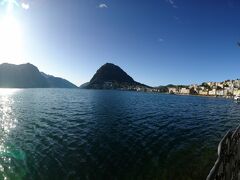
{"type": "Point", "coordinates": [11, 43]}
{"type": "Point", "coordinates": [7, 124]}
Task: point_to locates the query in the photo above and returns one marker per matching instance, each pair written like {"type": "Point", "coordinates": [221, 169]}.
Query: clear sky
{"type": "Point", "coordinates": [157, 42]}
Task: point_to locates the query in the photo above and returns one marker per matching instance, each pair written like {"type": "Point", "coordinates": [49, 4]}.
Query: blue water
{"type": "Point", "coordinates": [92, 134]}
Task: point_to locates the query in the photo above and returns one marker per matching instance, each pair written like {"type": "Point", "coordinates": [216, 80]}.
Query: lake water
{"type": "Point", "coordinates": [92, 134]}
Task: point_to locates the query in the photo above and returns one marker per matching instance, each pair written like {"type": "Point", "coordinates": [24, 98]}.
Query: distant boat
{"type": "Point", "coordinates": [237, 98]}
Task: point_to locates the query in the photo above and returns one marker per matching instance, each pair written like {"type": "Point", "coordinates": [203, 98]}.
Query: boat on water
{"type": "Point", "coordinates": [227, 166]}
{"type": "Point", "coordinates": [237, 98]}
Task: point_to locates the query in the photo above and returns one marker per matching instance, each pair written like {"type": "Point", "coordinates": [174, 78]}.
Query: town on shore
{"type": "Point", "coordinates": [228, 89]}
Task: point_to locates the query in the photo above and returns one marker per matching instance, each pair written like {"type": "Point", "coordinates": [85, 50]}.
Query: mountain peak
{"type": "Point", "coordinates": [109, 64]}
{"type": "Point", "coordinates": [111, 73]}
{"type": "Point", "coordinates": [111, 76]}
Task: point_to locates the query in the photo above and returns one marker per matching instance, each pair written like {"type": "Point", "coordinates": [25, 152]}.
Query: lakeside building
{"type": "Point", "coordinates": [213, 92]}
{"type": "Point", "coordinates": [184, 91]}
{"type": "Point", "coordinates": [219, 93]}
{"type": "Point", "coordinates": [173, 90]}
{"type": "Point", "coordinates": [236, 92]}
{"type": "Point", "coordinates": [203, 92]}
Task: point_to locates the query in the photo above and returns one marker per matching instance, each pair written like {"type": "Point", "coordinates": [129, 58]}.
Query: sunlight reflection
{"type": "Point", "coordinates": [6, 91]}
{"type": "Point", "coordinates": [7, 123]}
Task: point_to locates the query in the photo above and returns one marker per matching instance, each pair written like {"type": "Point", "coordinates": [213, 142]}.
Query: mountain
{"type": "Point", "coordinates": [110, 76]}
{"type": "Point", "coordinates": [84, 85]}
{"type": "Point", "coordinates": [28, 76]}
{"type": "Point", "coordinates": [57, 82]}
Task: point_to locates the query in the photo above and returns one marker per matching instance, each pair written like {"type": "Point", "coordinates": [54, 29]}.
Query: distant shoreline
{"type": "Point", "coordinates": [165, 93]}
{"type": "Point", "coordinates": [223, 97]}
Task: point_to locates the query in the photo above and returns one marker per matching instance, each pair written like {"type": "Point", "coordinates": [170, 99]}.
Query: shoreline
{"type": "Point", "coordinates": [197, 95]}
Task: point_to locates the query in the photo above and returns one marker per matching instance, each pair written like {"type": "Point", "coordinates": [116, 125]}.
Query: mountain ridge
{"type": "Point", "coordinates": [28, 76]}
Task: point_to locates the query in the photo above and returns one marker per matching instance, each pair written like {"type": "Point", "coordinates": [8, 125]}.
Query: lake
{"type": "Point", "coordinates": [96, 134]}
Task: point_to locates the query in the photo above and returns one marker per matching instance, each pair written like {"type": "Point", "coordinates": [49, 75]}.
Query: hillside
{"type": "Point", "coordinates": [28, 76]}
{"type": "Point", "coordinates": [110, 76]}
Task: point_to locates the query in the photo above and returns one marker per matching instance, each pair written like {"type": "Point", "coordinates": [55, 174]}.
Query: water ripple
{"type": "Point", "coordinates": [85, 134]}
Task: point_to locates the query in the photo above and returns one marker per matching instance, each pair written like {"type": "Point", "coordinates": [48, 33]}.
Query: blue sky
{"type": "Point", "coordinates": [157, 42]}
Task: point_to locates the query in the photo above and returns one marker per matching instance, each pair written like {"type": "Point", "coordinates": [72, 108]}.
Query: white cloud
{"type": "Point", "coordinates": [102, 6]}
{"type": "Point", "coordinates": [172, 2]}
{"type": "Point", "coordinates": [25, 6]}
{"type": "Point", "coordinates": [160, 39]}
{"type": "Point", "coordinates": [176, 18]}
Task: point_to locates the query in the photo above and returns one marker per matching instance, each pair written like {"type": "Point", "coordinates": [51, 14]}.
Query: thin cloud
{"type": "Point", "coordinates": [103, 6]}
{"type": "Point", "coordinates": [25, 6]}
{"type": "Point", "coordinates": [176, 18]}
{"type": "Point", "coordinates": [172, 3]}
{"type": "Point", "coordinates": [160, 40]}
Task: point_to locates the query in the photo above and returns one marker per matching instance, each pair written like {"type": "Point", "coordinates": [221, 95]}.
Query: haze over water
{"type": "Point", "coordinates": [93, 134]}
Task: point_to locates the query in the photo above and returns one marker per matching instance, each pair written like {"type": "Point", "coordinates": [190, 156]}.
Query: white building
{"type": "Point", "coordinates": [219, 92]}
{"type": "Point", "coordinates": [184, 91]}
{"type": "Point", "coordinates": [172, 90]}
{"type": "Point", "coordinates": [212, 92]}
{"type": "Point", "coordinates": [203, 92]}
